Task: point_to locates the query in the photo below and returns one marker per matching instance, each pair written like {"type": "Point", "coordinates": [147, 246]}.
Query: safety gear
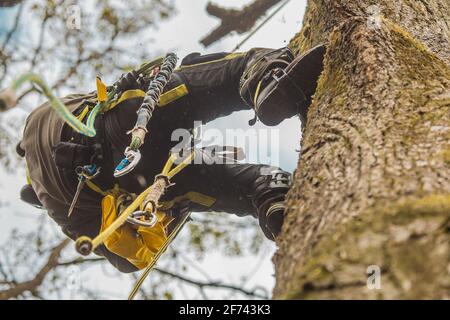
{"type": "Point", "coordinates": [279, 86]}
{"type": "Point", "coordinates": [270, 192]}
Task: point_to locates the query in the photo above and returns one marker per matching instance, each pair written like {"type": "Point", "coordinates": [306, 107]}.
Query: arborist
{"type": "Point", "coordinates": [83, 199]}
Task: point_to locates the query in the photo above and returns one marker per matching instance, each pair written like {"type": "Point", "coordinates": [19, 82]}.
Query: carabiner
{"type": "Point", "coordinates": [150, 223]}
{"type": "Point", "coordinates": [130, 162]}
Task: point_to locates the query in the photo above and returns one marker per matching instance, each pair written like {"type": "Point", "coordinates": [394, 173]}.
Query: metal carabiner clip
{"type": "Point", "coordinates": [134, 219]}
{"type": "Point", "coordinates": [130, 162]}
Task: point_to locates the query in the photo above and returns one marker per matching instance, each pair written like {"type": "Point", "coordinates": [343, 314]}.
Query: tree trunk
{"type": "Point", "coordinates": [372, 187]}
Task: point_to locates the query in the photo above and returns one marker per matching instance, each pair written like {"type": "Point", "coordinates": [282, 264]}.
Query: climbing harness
{"type": "Point", "coordinates": [157, 73]}
{"type": "Point", "coordinates": [148, 201]}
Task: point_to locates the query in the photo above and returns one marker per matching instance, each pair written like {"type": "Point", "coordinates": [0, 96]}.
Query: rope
{"type": "Point", "coordinates": [151, 99]}
{"type": "Point", "coordinates": [149, 268]}
{"type": "Point", "coordinates": [62, 111]}
{"type": "Point", "coordinates": [252, 33]}
{"type": "Point", "coordinates": [167, 171]}
{"type": "Point", "coordinates": [57, 105]}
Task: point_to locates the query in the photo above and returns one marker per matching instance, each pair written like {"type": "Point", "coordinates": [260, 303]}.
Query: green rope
{"type": "Point", "coordinates": [62, 111]}
{"type": "Point", "coordinates": [59, 107]}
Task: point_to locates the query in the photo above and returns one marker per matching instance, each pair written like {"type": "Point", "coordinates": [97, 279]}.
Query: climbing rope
{"type": "Point", "coordinates": [105, 98]}
{"type": "Point", "coordinates": [56, 104]}
{"type": "Point", "coordinates": [145, 112]}
{"type": "Point", "coordinates": [150, 267]}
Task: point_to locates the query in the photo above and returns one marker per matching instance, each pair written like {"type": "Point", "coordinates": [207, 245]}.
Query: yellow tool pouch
{"type": "Point", "coordinates": [138, 245]}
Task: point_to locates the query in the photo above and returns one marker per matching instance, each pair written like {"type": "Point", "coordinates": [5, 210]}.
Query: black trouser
{"type": "Point", "coordinates": [213, 85]}
{"type": "Point", "coordinates": [213, 91]}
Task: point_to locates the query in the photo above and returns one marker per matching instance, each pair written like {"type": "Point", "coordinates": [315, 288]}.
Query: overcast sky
{"type": "Point", "coordinates": [182, 34]}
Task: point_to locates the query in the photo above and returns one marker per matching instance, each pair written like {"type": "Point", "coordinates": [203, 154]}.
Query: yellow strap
{"type": "Point", "coordinates": [166, 98]}
{"type": "Point", "coordinates": [114, 191]}
{"type": "Point", "coordinates": [27, 172]}
{"type": "Point", "coordinates": [180, 166]}
{"type": "Point", "coordinates": [83, 113]}
{"type": "Point", "coordinates": [96, 188]}
{"type": "Point", "coordinates": [196, 197]}
{"type": "Point", "coordinates": [227, 57]}
{"type": "Point", "coordinates": [258, 88]}
{"type": "Point", "coordinates": [172, 95]}
{"type": "Point", "coordinates": [168, 164]}
{"type": "Point", "coordinates": [166, 244]}
{"type": "Point", "coordinates": [102, 94]}
{"type": "Point", "coordinates": [129, 94]}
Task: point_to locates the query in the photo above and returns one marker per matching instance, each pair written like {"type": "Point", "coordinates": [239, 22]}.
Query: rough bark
{"type": "Point", "coordinates": [373, 180]}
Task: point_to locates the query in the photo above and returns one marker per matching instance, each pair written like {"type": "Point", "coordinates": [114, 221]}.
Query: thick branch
{"type": "Point", "coordinates": [9, 3]}
{"type": "Point", "coordinates": [236, 20]}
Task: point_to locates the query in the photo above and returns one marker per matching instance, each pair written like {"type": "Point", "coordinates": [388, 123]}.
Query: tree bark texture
{"type": "Point", "coordinates": [372, 187]}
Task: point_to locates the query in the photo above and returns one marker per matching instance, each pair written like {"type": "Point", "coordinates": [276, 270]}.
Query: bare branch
{"type": "Point", "coordinates": [201, 285]}
{"type": "Point", "coordinates": [14, 28]}
{"type": "Point", "coordinates": [3, 54]}
{"type": "Point", "coordinates": [9, 3]}
{"type": "Point", "coordinates": [31, 285]}
{"type": "Point", "coordinates": [80, 260]}
{"type": "Point", "coordinates": [212, 284]}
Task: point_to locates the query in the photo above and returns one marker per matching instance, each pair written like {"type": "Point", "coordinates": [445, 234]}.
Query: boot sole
{"type": "Point", "coordinates": [292, 93]}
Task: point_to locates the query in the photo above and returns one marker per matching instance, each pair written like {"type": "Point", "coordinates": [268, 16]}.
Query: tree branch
{"type": "Point", "coordinates": [201, 285]}
{"type": "Point", "coordinates": [236, 20]}
{"type": "Point", "coordinates": [31, 285]}
{"type": "Point", "coordinates": [9, 3]}
{"type": "Point", "coordinates": [213, 284]}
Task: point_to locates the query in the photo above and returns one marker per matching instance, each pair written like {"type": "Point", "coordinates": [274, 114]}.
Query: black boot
{"type": "Point", "coordinates": [279, 86]}
{"type": "Point", "coordinates": [271, 218]}
{"type": "Point", "coordinates": [28, 195]}
{"type": "Point", "coordinates": [269, 198]}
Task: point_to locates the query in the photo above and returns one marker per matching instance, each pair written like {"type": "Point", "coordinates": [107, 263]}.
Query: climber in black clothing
{"type": "Point", "coordinates": [205, 87]}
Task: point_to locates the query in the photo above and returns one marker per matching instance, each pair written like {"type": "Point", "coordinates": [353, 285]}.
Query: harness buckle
{"type": "Point", "coordinates": [279, 74]}
{"type": "Point", "coordinates": [128, 163]}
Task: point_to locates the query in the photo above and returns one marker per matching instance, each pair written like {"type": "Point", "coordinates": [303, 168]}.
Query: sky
{"type": "Point", "coordinates": [181, 34]}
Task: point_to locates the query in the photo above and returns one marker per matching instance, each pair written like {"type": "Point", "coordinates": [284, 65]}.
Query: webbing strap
{"type": "Point", "coordinates": [196, 197]}
{"type": "Point", "coordinates": [230, 56]}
